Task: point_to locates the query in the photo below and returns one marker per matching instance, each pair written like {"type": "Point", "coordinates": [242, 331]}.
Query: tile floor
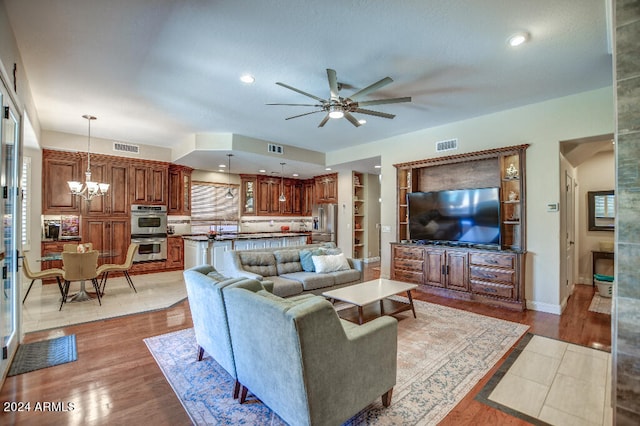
{"type": "Point", "coordinates": [155, 291]}
{"type": "Point", "coordinates": [558, 383]}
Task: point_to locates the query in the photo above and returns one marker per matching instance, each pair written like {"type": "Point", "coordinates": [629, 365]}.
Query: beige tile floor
{"type": "Point", "coordinates": [559, 383]}
{"type": "Point", "coordinates": [155, 291]}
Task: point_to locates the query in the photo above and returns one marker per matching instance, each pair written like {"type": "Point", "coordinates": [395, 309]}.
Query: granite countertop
{"type": "Point", "coordinates": [246, 236]}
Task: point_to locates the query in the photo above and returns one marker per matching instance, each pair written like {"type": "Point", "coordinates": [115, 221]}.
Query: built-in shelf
{"type": "Point", "coordinates": [359, 216]}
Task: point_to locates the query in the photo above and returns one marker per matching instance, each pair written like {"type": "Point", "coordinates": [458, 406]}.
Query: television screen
{"type": "Point", "coordinates": [464, 215]}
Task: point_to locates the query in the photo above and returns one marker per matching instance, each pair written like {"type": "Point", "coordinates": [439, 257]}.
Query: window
{"type": "Point", "coordinates": [25, 185]}
{"type": "Point", "coordinates": [208, 202]}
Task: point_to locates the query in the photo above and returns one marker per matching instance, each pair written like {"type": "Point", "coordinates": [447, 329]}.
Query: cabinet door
{"type": "Point", "coordinates": [297, 198]}
{"type": "Point", "coordinates": [117, 197]}
{"type": "Point", "coordinates": [175, 192]}
{"type": "Point", "coordinates": [435, 263]}
{"type": "Point", "coordinates": [139, 178]}
{"type": "Point", "coordinates": [149, 184]}
{"type": "Point", "coordinates": [94, 231]}
{"type": "Point", "coordinates": [175, 252]}
{"type": "Point", "coordinates": [264, 197]}
{"type": "Point", "coordinates": [331, 194]}
{"type": "Point", "coordinates": [248, 196]}
{"type": "Point", "coordinates": [119, 240]}
{"type": "Point", "coordinates": [286, 207]}
{"type": "Point", "coordinates": [55, 175]}
{"type": "Point", "coordinates": [158, 185]}
{"type": "Point", "coordinates": [218, 250]}
{"type": "Point", "coordinates": [309, 198]}
{"type": "Point", "coordinates": [457, 270]}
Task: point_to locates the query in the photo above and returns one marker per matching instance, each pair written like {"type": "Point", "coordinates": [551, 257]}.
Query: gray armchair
{"type": "Point", "coordinates": [206, 301]}
{"type": "Point", "coordinates": [304, 362]}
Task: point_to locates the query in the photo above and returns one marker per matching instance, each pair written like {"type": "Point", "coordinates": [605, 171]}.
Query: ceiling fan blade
{"type": "Point", "coordinates": [301, 92]}
{"type": "Point", "coordinates": [372, 88]}
{"type": "Point", "coordinates": [376, 113]}
{"type": "Point", "coordinates": [333, 83]}
{"type": "Point", "coordinates": [351, 119]}
{"type": "Point", "coordinates": [302, 115]}
{"type": "Point", "coordinates": [312, 105]}
{"type": "Point", "coordinates": [324, 121]}
{"type": "Point", "coordinates": [385, 101]}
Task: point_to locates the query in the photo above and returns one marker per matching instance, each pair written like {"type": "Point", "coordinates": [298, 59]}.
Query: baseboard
{"type": "Point", "coordinates": [544, 307]}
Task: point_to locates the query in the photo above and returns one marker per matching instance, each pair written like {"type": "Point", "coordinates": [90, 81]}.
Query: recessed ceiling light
{"type": "Point", "coordinates": [221, 170]}
{"type": "Point", "coordinates": [518, 39]}
{"type": "Point", "coordinates": [327, 168]}
{"type": "Point", "coordinates": [247, 78]}
{"type": "Point", "coordinates": [363, 121]}
{"type": "Point", "coordinates": [222, 166]}
{"type": "Point", "coordinates": [295, 175]}
{"type": "Point", "coordinates": [262, 171]}
{"type": "Point", "coordinates": [377, 166]}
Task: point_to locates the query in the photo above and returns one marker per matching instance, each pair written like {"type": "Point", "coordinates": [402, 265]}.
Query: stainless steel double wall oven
{"type": "Point", "coordinates": [149, 231]}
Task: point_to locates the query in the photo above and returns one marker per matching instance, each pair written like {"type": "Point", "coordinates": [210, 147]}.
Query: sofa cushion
{"type": "Point", "coordinates": [346, 276]}
{"type": "Point", "coordinates": [217, 276]}
{"type": "Point", "coordinates": [287, 261]}
{"type": "Point", "coordinates": [259, 262]}
{"type": "Point", "coordinates": [330, 263]}
{"type": "Point", "coordinates": [284, 287]}
{"type": "Point", "coordinates": [312, 280]}
{"type": "Point", "coordinates": [306, 260]}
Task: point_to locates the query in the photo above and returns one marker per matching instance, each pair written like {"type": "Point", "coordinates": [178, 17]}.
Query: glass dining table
{"type": "Point", "coordinates": [83, 295]}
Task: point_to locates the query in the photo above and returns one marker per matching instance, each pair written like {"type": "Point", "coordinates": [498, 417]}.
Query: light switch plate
{"type": "Point", "coordinates": [553, 207]}
{"type": "Point", "coordinates": [386, 228]}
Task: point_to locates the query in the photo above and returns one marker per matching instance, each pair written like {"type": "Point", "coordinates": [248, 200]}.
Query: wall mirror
{"type": "Point", "coordinates": [602, 208]}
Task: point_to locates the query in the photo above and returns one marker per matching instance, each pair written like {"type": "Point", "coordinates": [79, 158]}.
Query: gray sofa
{"type": "Point", "coordinates": [284, 267]}
{"type": "Point", "coordinates": [305, 363]}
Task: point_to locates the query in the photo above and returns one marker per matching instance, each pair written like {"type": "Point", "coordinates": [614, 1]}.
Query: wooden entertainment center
{"type": "Point", "coordinates": [493, 275]}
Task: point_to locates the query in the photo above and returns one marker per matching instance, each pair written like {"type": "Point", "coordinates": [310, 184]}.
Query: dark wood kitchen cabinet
{"type": "Point", "coordinates": [179, 202]}
{"type": "Point", "coordinates": [58, 168]}
{"type": "Point", "coordinates": [175, 253]}
{"type": "Point", "coordinates": [108, 235]}
{"type": "Point", "coordinates": [268, 194]}
{"type": "Point", "coordinates": [149, 183]}
{"type": "Point", "coordinates": [326, 189]}
{"type": "Point", "coordinates": [116, 174]}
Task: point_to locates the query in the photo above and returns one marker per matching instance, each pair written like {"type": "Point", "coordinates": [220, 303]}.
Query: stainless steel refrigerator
{"type": "Point", "coordinates": [324, 225]}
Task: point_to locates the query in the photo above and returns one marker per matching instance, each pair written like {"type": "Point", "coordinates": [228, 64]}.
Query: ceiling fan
{"type": "Point", "coordinates": [337, 106]}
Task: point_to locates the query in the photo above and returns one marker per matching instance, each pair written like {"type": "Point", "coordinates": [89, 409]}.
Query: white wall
{"type": "Point", "coordinates": [542, 126]}
{"type": "Point", "coordinates": [594, 174]}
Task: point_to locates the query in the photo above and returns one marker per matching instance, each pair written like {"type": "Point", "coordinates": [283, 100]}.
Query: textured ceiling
{"type": "Point", "coordinates": [159, 71]}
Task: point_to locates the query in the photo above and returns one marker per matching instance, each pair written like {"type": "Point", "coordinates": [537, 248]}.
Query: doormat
{"type": "Point", "coordinates": [601, 305]}
{"type": "Point", "coordinates": [43, 354]}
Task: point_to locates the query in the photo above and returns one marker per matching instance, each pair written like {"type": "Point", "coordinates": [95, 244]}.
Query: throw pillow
{"type": "Point", "coordinates": [306, 258]}
{"type": "Point", "coordinates": [330, 263]}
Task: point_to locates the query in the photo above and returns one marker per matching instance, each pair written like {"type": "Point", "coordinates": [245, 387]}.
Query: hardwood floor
{"type": "Point", "coordinates": [116, 380]}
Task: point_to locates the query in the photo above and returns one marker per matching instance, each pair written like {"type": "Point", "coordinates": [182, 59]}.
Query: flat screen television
{"type": "Point", "coordinates": [470, 216]}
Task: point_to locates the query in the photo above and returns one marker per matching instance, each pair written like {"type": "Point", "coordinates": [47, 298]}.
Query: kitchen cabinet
{"type": "Point", "coordinates": [148, 183]}
{"type": "Point", "coordinates": [175, 253]}
{"type": "Point", "coordinates": [58, 168]}
{"type": "Point", "coordinates": [268, 194]}
{"type": "Point", "coordinates": [250, 244]}
{"type": "Point", "coordinates": [116, 174]}
{"type": "Point", "coordinates": [217, 250]}
{"type": "Point", "coordinates": [195, 252]}
{"type": "Point", "coordinates": [108, 235]}
{"type": "Point", "coordinates": [248, 194]}
{"type": "Point", "coordinates": [326, 189]}
{"type": "Point", "coordinates": [308, 197]}
{"type": "Point", "coordinates": [179, 200]}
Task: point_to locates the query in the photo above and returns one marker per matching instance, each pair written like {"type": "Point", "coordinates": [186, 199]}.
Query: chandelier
{"type": "Point", "coordinates": [89, 189]}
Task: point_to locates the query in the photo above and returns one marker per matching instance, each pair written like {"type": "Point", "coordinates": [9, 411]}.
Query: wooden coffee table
{"type": "Point", "coordinates": [365, 295]}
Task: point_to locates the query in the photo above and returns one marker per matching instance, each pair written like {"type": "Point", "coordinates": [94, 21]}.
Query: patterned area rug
{"type": "Point", "coordinates": [43, 354]}
{"type": "Point", "coordinates": [441, 355]}
{"type": "Point", "coordinates": [601, 305]}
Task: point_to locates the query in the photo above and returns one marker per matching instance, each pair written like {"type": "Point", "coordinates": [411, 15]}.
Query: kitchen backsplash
{"type": "Point", "coordinates": [181, 225]}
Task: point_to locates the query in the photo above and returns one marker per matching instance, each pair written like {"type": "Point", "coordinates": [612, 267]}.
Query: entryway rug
{"type": "Point", "coordinates": [45, 353]}
{"type": "Point", "coordinates": [441, 355]}
{"type": "Point", "coordinates": [601, 305]}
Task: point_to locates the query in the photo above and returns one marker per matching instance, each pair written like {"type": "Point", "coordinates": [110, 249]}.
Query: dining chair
{"type": "Point", "coordinates": [74, 247]}
{"type": "Point", "coordinates": [39, 275]}
{"type": "Point", "coordinates": [80, 267]}
{"type": "Point", "coordinates": [103, 270]}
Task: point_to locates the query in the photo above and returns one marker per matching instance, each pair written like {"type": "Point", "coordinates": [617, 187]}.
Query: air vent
{"type": "Point", "coordinates": [447, 145]}
{"type": "Point", "coordinates": [125, 147]}
{"type": "Point", "coordinates": [275, 149]}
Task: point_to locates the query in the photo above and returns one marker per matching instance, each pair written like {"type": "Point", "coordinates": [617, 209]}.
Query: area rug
{"type": "Point", "coordinates": [441, 355]}
{"type": "Point", "coordinates": [43, 354]}
{"type": "Point", "coordinates": [601, 305]}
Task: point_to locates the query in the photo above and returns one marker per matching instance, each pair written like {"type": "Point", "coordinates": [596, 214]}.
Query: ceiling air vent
{"type": "Point", "coordinates": [447, 145]}
{"type": "Point", "coordinates": [125, 147]}
{"type": "Point", "coordinates": [275, 149]}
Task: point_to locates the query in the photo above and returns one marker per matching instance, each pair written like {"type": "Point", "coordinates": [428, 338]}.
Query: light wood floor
{"type": "Point", "coordinates": [116, 380]}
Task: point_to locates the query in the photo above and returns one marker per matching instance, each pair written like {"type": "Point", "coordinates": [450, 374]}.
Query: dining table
{"type": "Point", "coordinates": [83, 295]}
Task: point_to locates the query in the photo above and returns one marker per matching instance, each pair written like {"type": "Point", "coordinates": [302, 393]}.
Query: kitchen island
{"type": "Point", "coordinates": [201, 249]}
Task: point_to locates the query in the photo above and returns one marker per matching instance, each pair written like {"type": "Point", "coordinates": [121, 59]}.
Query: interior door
{"type": "Point", "coordinates": [570, 231]}
{"type": "Point", "coordinates": [11, 229]}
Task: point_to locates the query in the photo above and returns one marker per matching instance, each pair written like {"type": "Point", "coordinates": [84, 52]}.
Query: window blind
{"type": "Point", "coordinates": [25, 185]}
{"type": "Point", "coordinates": [208, 202]}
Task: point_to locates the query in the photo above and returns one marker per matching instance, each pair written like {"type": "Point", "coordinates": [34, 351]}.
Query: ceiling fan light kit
{"type": "Point", "coordinates": [338, 107]}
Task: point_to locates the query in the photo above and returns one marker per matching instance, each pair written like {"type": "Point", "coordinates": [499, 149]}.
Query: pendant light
{"type": "Point", "coordinates": [282, 198]}
{"type": "Point", "coordinates": [229, 194]}
{"type": "Point", "coordinates": [89, 189]}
